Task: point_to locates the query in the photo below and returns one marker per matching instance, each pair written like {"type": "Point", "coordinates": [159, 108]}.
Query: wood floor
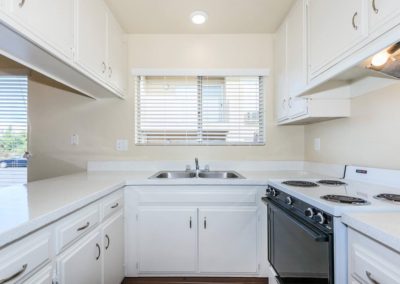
{"type": "Point", "coordinates": [195, 280]}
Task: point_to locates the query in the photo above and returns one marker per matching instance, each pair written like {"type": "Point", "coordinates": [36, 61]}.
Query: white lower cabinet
{"type": "Point", "coordinates": [208, 239]}
{"type": "Point", "coordinates": [113, 250]}
{"type": "Point", "coordinates": [81, 264]}
{"type": "Point", "coordinates": [228, 240]}
{"type": "Point", "coordinates": [167, 239]}
{"type": "Point", "coordinates": [371, 262]}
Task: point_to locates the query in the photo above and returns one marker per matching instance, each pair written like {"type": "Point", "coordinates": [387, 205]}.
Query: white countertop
{"type": "Point", "coordinates": [384, 227]}
{"type": "Point", "coordinates": [26, 208]}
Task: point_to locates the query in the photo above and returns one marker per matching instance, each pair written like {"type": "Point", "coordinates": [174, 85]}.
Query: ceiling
{"type": "Point", "coordinates": [224, 16]}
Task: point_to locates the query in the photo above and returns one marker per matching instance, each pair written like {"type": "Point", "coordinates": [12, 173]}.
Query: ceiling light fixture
{"type": "Point", "coordinates": [199, 17]}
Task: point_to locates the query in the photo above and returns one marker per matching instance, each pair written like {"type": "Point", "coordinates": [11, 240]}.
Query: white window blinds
{"type": "Point", "coordinates": [13, 115]}
{"type": "Point", "coordinates": [178, 110]}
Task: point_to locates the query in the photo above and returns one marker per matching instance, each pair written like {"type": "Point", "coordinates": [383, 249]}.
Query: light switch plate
{"type": "Point", "coordinates": [75, 139]}
{"type": "Point", "coordinates": [122, 145]}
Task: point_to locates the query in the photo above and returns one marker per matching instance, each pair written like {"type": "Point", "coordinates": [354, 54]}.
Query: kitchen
{"type": "Point", "coordinates": [272, 97]}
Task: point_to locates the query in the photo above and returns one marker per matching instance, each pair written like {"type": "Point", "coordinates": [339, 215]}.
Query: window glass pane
{"type": "Point", "coordinates": [199, 110]}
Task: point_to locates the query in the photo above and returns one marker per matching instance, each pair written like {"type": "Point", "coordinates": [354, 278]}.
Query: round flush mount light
{"type": "Point", "coordinates": [199, 17]}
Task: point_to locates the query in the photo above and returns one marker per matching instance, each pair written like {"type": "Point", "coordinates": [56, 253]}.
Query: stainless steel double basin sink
{"type": "Point", "coordinates": [200, 174]}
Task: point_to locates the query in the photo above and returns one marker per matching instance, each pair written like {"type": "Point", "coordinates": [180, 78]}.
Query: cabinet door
{"type": "Point", "coordinates": [167, 239]}
{"type": "Point", "coordinates": [228, 240]}
{"type": "Point", "coordinates": [297, 48]}
{"type": "Point", "coordinates": [113, 247]}
{"type": "Point", "coordinates": [91, 34]}
{"type": "Point", "coordinates": [335, 26]}
{"type": "Point", "coordinates": [81, 264]}
{"type": "Point", "coordinates": [281, 86]}
{"type": "Point", "coordinates": [117, 56]}
{"type": "Point", "coordinates": [50, 20]}
{"type": "Point", "coordinates": [382, 12]}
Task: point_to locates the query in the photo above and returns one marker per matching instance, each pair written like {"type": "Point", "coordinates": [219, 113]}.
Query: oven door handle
{"type": "Point", "coordinates": [317, 236]}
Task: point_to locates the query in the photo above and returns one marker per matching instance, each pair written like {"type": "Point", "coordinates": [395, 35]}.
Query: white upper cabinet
{"type": "Point", "coordinates": [228, 240]}
{"type": "Point", "coordinates": [117, 56]}
{"type": "Point", "coordinates": [382, 12]}
{"type": "Point", "coordinates": [297, 48]}
{"type": "Point", "coordinates": [281, 85]}
{"type": "Point", "coordinates": [91, 36]}
{"type": "Point", "coordinates": [335, 26]}
{"type": "Point", "coordinates": [167, 239]}
{"type": "Point", "coordinates": [50, 21]}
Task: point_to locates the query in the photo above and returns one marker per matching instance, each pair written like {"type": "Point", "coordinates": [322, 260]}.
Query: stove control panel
{"type": "Point", "coordinates": [302, 209]}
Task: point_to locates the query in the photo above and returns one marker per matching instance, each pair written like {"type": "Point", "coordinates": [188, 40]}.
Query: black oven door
{"type": "Point", "coordinates": [298, 251]}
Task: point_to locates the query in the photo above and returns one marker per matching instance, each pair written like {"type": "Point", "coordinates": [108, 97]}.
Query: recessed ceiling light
{"type": "Point", "coordinates": [199, 17]}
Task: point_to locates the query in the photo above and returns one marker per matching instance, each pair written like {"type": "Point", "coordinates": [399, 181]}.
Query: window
{"type": "Point", "coordinates": [13, 129]}
{"type": "Point", "coordinates": [199, 110]}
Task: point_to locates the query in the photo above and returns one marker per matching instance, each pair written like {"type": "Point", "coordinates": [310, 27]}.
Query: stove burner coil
{"type": "Point", "coordinates": [332, 182]}
{"type": "Point", "coordinates": [345, 199]}
{"type": "Point", "coordinates": [300, 183]}
{"type": "Point", "coordinates": [389, 197]}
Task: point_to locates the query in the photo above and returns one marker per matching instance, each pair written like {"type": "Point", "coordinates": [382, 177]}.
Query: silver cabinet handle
{"type": "Point", "coordinates": [20, 272]}
{"type": "Point", "coordinates": [83, 227]}
{"type": "Point", "coordinates": [353, 21]}
{"type": "Point", "coordinates": [190, 223]}
{"type": "Point", "coordinates": [104, 67]}
{"type": "Point", "coordinates": [21, 4]}
{"type": "Point", "coordinates": [108, 242]}
{"type": "Point", "coordinates": [110, 72]}
{"type": "Point", "coordinates": [369, 275]}
{"type": "Point", "coordinates": [290, 102]}
{"type": "Point", "coordinates": [205, 223]}
{"type": "Point", "coordinates": [115, 205]}
{"type": "Point", "coordinates": [376, 10]}
{"type": "Point", "coordinates": [284, 103]}
{"type": "Point", "coordinates": [99, 250]}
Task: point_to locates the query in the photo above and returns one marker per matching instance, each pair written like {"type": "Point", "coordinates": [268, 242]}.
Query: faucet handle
{"type": "Point", "coordinates": [207, 168]}
{"type": "Point", "coordinates": [188, 168]}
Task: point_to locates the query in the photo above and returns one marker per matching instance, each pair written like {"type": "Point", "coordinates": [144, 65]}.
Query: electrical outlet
{"type": "Point", "coordinates": [75, 139]}
{"type": "Point", "coordinates": [317, 144]}
{"type": "Point", "coordinates": [122, 145]}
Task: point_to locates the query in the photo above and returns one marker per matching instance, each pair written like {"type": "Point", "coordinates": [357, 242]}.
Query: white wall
{"type": "Point", "coordinates": [56, 113]}
{"type": "Point", "coordinates": [370, 137]}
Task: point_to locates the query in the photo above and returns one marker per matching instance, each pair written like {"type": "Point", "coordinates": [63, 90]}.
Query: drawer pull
{"type": "Point", "coordinates": [99, 251]}
{"type": "Point", "coordinates": [21, 4]}
{"type": "Point", "coordinates": [376, 10]}
{"type": "Point", "coordinates": [115, 205]}
{"type": "Point", "coordinates": [83, 227]}
{"type": "Point", "coordinates": [108, 242]}
{"type": "Point", "coordinates": [369, 275]}
{"type": "Point", "coordinates": [354, 21]}
{"type": "Point", "coordinates": [24, 267]}
{"type": "Point", "coordinates": [205, 223]}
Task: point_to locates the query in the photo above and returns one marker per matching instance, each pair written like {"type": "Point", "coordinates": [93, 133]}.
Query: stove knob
{"type": "Point", "coordinates": [309, 212]}
{"type": "Point", "coordinates": [268, 191]}
{"type": "Point", "coordinates": [289, 200]}
{"type": "Point", "coordinates": [320, 218]}
{"type": "Point", "coordinates": [274, 192]}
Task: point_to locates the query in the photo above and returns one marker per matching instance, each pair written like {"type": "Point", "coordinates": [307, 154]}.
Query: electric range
{"type": "Point", "coordinates": [306, 239]}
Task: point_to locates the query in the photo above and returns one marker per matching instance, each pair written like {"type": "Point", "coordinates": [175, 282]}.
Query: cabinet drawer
{"type": "Point", "coordinates": [44, 276]}
{"type": "Point", "coordinates": [76, 226]}
{"type": "Point", "coordinates": [23, 257]}
{"type": "Point", "coordinates": [112, 204]}
{"type": "Point", "coordinates": [370, 261]}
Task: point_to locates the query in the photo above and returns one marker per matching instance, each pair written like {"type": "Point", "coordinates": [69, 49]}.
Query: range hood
{"type": "Point", "coordinates": [386, 62]}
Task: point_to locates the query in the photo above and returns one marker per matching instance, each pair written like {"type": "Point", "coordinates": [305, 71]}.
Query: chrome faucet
{"type": "Point", "coordinates": [196, 161]}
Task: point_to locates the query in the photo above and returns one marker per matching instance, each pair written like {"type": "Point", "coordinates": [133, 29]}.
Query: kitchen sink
{"type": "Point", "coordinates": [201, 174]}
